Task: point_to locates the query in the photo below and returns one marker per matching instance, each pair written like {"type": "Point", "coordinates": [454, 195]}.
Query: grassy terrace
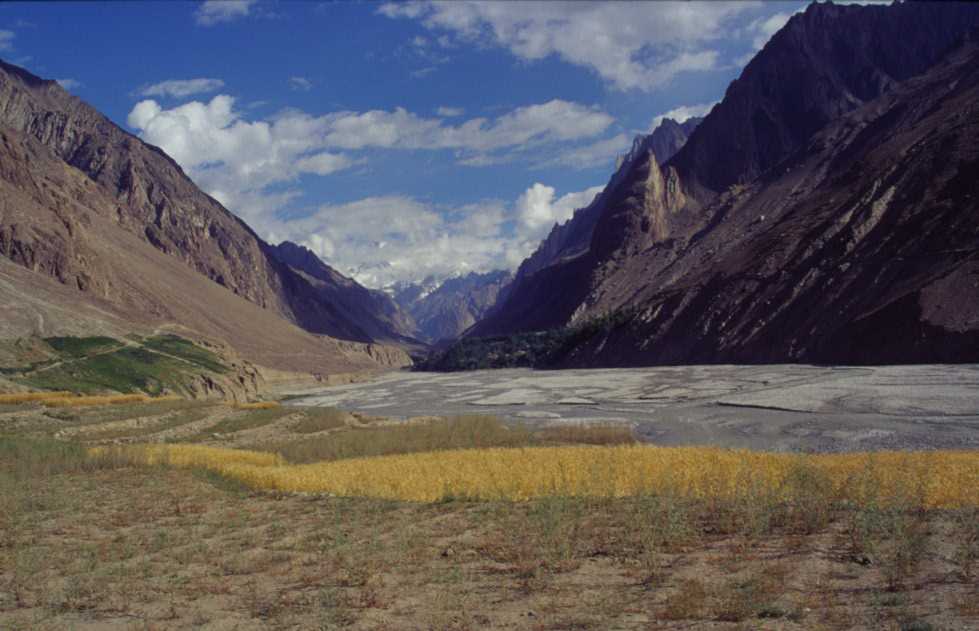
{"type": "Point", "coordinates": [95, 365]}
{"type": "Point", "coordinates": [564, 528]}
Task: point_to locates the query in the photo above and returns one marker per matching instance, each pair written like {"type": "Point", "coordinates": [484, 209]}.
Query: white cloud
{"type": "Point", "coordinates": [385, 239]}
{"type": "Point", "coordinates": [596, 154]}
{"type": "Point", "coordinates": [323, 163]}
{"type": "Point", "coordinates": [69, 84]}
{"type": "Point", "coordinates": [683, 113]}
{"type": "Point", "coordinates": [216, 11]}
{"type": "Point", "coordinates": [300, 83]}
{"type": "Point", "coordinates": [554, 121]}
{"type": "Point", "coordinates": [450, 112]}
{"type": "Point", "coordinates": [238, 161]}
{"type": "Point", "coordinates": [180, 88]}
{"type": "Point", "coordinates": [233, 159]}
{"type": "Point", "coordinates": [538, 209]}
{"type": "Point", "coordinates": [7, 40]}
{"type": "Point", "coordinates": [630, 44]}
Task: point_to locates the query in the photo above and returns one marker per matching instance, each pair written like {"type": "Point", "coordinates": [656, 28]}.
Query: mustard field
{"type": "Point", "coordinates": [933, 479]}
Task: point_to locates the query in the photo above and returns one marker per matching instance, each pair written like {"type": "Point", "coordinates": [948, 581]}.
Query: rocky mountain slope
{"type": "Point", "coordinates": [527, 301]}
{"type": "Point", "coordinates": [374, 311]}
{"type": "Point", "coordinates": [825, 210]}
{"type": "Point", "coordinates": [133, 243]}
{"type": "Point", "coordinates": [445, 311]}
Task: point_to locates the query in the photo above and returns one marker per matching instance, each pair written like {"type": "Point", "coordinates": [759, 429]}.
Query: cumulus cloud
{"type": "Point", "coordinates": [537, 208]}
{"type": "Point", "coordinates": [385, 239]}
{"type": "Point", "coordinates": [683, 113]}
{"type": "Point", "coordinates": [6, 40]}
{"type": "Point", "coordinates": [300, 83]}
{"type": "Point", "coordinates": [69, 84]}
{"type": "Point", "coordinates": [554, 121]}
{"type": "Point", "coordinates": [180, 88]}
{"type": "Point", "coordinates": [250, 167]}
{"type": "Point", "coordinates": [231, 158]}
{"type": "Point", "coordinates": [628, 44]}
{"type": "Point", "coordinates": [216, 11]}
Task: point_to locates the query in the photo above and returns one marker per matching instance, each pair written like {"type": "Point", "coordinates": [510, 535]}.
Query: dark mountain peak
{"type": "Point", "coordinates": [374, 311]}
{"type": "Point", "coordinates": [302, 258]}
{"type": "Point", "coordinates": [824, 62]}
{"type": "Point", "coordinates": [27, 77]}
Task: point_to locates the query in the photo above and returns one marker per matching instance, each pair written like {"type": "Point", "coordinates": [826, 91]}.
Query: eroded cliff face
{"type": "Point", "coordinates": [820, 212]}
{"type": "Point", "coordinates": [153, 199]}
{"type": "Point", "coordinates": [376, 313]}
{"type": "Point", "coordinates": [534, 300]}
{"type": "Point", "coordinates": [111, 233]}
{"type": "Point", "coordinates": [863, 248]}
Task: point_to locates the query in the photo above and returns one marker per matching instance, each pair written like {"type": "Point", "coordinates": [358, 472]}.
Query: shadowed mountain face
{"type": "Point", "coordinates": [527, 302]}
{"type": "Point", "coordinates": [825, 62]}
{"type": "Point", "coordinates": [826, 210]}
{"type": "Point", "coordinates": [93, 208]}
{"type": "Point", "coordinates": [374, 311]}
{"type": "Point", "coordinates": [445, 311]}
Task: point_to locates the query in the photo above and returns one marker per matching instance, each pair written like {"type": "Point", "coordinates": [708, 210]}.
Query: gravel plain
{"type": "Point", "coordinates": [780, 407]}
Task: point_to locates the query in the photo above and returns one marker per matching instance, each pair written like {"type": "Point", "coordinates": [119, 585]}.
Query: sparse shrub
{"type": "Point", "coordinates": [688, 603]}
{"type": "Point", "coordinates": [120, 399]}
{"type": "Point", "coordinates": [577, 434]}
{"type": "Point", "coordinates": [256, 405]}
{"type": "Point", "coordinates": [748, 598]}
{"type": "Point", "coordinates": [31, 397]}
{"type": "Point", "coordinates": [319, 419]}
{"type": "Point", "coordinates": [809, 498]}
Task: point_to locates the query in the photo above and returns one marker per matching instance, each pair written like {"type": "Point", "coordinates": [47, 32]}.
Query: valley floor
{"type": "Point", "coordinates": [784, 408]}
{"type": "Point", "coordinates": [171, 549]}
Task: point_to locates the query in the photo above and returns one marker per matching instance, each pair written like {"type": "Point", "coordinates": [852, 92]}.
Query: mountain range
{"type": "Point", "coordinates": [824, 211]}
{"type": "Point", "coordinates": [116, 238]}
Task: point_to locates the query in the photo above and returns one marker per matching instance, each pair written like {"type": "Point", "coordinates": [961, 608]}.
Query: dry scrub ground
{"type": "Point", "coordinates": [105, 545]}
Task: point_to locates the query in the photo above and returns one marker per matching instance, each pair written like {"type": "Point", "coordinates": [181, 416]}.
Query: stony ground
{"type": "Point", "coordinates": [168, 549]}
{"type": "Point", "coordinates": [761, 407]}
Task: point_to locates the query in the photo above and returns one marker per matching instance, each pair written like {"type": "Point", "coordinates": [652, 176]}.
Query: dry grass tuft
{"type": "Point", "coordinates": [256, 405]}
{"type": "Point", "coordinates": [945, 479]}
{"type": "Point", "coordinates": [31, 397]}
{"type": "Point", "coordinates": [607, 434]}
{"type": "Point", "coordinates": [118, 399]}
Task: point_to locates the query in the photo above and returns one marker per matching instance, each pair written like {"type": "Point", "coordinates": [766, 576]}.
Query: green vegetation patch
{"type": "Point", "coordinates": [91, 366]}
{"type": "Point", "coordinates": [159, 424]}
{"type": "Point", "coordinates": [534, 349]}
{"type": "Point", "coordinates": [186, 350]}
{"type": "Point", "coordinates": [246, 420]}
{"type": "Point", "coordinates": [463, 432]}
{"type": "Point", "coordinates": [81, 346]}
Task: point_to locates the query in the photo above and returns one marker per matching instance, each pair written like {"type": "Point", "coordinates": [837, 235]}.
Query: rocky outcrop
{"type": "Point", "coordinates": [102, 233]}
{"type": "Point", "coordinates": [153, 199]}
{"type": "Point", "coordinates": [822, 212]}
{"type": "Point", "coordinates": [823, 63]}
{"type": "Point", "coordinates": [376, 313]}
{"type": "Point", "coordinates": [536, 301]}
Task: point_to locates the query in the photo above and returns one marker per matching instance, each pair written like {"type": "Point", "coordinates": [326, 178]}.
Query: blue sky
{"type": "Point", "coordinates": [396, 140]}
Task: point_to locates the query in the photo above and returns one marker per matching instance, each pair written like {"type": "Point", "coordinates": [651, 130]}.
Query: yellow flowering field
{"type": "Point", "coordinates": [935, 479]}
